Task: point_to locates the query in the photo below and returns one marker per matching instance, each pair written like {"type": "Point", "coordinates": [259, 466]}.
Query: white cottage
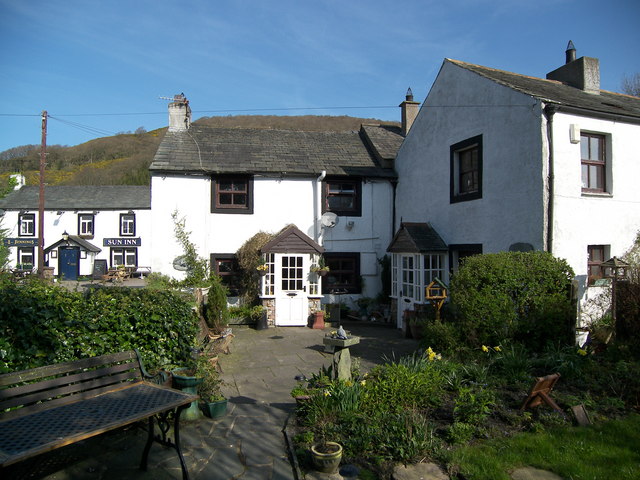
{"type": "Point", "coordinates": [498, 161]}
{"type": "Point", "coordinates": [228, 184]}
{"type": "Point", "coordinates": [85, 227]}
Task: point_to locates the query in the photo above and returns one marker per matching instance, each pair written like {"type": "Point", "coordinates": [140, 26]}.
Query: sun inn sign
{"type": "Point", "coordinates": [121, 242]}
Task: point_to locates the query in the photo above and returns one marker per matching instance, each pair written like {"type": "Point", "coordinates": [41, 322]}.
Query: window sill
{"type": "Point", "coordinates": [597, 194]}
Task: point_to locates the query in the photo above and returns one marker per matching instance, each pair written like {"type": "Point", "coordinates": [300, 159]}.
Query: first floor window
{"type": "Point", "coordinates": [124, 256]}
{"type": "Point", "coordinates": [85, 224]}
{"type": "Point", "coordinates": [593, 161]}
{"type": "Point", "coordinates": [27, 225]}
{"type": "Point", "coordinates": [597, 255]}
{"type": "Point", "coordinates": [26, 258]}
{"type": "Point", "coordinates": [466, 170]}
{"type": "Point", "coordinates": [343, 275]}
{"type": "Point", "coordinates": [226, 266]}
{"type": "Point", "coordinates": [127, 224]}
{"type": "Point", "coordinates": [232, 194]}
{"type": "Point", "coordinates": [342, 197]}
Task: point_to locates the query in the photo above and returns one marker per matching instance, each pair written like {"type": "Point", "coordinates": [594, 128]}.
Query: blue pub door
{"type": "Point", "coordinates": [68, 262]}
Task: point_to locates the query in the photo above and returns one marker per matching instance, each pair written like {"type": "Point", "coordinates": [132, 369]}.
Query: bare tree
{"type": "Point", "coordinates": [631, 85]}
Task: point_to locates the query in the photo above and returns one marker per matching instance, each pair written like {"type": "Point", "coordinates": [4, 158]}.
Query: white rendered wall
{"type": "Point", "coordinates": [581, 219]}
{"type": "Point", "coordinates": [106, 225]}
{"type": "Point", "coordinates": [277, 203]}
{"type": "Point", "coordinates": [461, 105]}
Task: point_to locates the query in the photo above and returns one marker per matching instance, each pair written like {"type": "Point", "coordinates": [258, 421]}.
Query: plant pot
{"type": "Point", "coordinates": [188, 384]}
{"type": "Point", "coordinates": [317, 319]}
{"type": "Point", "coordinates": [215, 409]}
{"type": "Point", "coordinates": [326, 456]}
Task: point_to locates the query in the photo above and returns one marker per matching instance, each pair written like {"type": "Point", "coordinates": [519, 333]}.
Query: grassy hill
{"type": "Point", "coordinates": [124, 159]}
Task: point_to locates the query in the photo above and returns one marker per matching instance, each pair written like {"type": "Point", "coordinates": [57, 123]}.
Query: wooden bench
{"type": "Point", "coordinates": [49, 407]}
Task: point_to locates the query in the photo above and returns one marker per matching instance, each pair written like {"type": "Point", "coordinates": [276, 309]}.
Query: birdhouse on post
{"type": "Point", "coordinates": [436, 293]}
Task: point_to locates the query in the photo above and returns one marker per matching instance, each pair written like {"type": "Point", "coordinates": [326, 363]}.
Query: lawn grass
{"type": "Point", "coordinates": [604, 451]}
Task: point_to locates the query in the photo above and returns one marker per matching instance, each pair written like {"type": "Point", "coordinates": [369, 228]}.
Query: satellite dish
{"type": "Point", "coordinates": [329, 220]}
{"type": "Point", "coordinates": [180, 264]}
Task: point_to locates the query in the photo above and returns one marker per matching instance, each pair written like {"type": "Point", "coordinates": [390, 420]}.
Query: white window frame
{"type": "Point", "coordinates": [129, 256]}
{"type": "Point", "coordinates": [27, 225]}
{"type": "Point", "coordinates": [127, 224]}
{"type": "Point", "coordinates": [86, 224]}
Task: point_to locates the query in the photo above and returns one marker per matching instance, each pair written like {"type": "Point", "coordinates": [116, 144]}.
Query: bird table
{"type": "Point", "coordinates": [341, 355]}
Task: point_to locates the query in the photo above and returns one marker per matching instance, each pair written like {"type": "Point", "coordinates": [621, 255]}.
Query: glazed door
{"type": "Point", "coordinates": [291, 299]}
{"type": "Point", "coordinates": [406, 284]}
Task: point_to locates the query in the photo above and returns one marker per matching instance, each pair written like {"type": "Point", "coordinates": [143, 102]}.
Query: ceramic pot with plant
{"type": "Point", "coordinates": [326, 456]}
{"type": "Point", "coordinates": [212, 402]}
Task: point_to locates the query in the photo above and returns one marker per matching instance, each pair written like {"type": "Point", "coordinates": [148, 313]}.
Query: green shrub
{"type": "Point", "coordinates": [393, 388]}
{"type": "Point", "coordinates": [441, 336]}
{"type": "Point", "coordinates": [42, 323]}
{"type": "Point", "coordinates": [514, 295]}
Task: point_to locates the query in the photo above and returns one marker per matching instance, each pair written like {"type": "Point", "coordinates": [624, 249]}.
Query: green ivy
{"type": "Point", "coordinates": [42, 324]}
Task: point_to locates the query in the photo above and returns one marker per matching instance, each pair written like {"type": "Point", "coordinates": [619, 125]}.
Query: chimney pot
{"type": "Point", "coordinates": [570, 53]}
{"type": "Point", "coordinates": [409, 110]}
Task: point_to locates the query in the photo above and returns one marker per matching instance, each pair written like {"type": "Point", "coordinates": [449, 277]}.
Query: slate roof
{"type": "Point", "coordinates": [553, 91]}
{"type": "Point", "coordinates": [417, 238]}
{"type": "Point", "coordinates": [385, 140]}
{"type": "Point", "coordinates": [89, 197]}
{"type": "Point", "coordinates": [271, 152]}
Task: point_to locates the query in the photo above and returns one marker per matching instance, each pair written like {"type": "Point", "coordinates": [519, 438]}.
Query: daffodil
{"type": "Point", "coordinates": [582, 352]}
{"type": "Point", "coordinates": [497, 349]}
{"type": "Point", "coordinates": [363, 382]}
{"type": "Point", "coordinates": [485, 348]}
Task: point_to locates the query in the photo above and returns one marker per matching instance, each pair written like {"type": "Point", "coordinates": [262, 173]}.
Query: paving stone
{"type": "Point", "coordinates": [530, 473]}
{"type": "Point", "coordinates": [420, 471]}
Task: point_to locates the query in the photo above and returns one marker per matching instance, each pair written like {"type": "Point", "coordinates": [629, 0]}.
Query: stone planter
{"type": "Point", "coordinates": [317, 320]}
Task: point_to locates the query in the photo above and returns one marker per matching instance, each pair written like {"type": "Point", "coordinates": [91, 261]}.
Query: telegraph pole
{"type": "Point", "coordinates": [43, 162]}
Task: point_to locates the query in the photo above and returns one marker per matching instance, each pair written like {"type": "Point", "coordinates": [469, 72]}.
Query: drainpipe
{"type": "Point", "coordinates": [318, 206]}
{"type": "Point", "coordinates": [549, 111]}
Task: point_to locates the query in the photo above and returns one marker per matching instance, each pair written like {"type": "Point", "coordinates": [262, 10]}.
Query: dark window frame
{"type": "Point", "coordinates": [595, 270]}
{"type": "Point", "coordinates": [28, 251]}
{"type": "Point", "coordinates": [93, 224]}
{"type": "Point", "coordinates": [122, 218]}
{"type": "Point", "coordinates": [218, 207]}
{"type": "Point", "coordinates": [230, 280]}
{"type": "Point", "coordinates": [599, 163]}
{"type": "Point", "coordinates": [464, 147]}
{"type": "Point", "coordinates": [354, 285]}
{"type": "Point", "coordinates": [356, 210]}
{"type": "Point", "coordinates": [21, 218]}
{"type": "Point", "coordinates": [467, 250]}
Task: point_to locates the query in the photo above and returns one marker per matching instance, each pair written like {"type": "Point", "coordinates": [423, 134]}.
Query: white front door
{"type": "Point", "coordinates": [406, 285]}
{"type": "Point", "coordinates": [291, 286]}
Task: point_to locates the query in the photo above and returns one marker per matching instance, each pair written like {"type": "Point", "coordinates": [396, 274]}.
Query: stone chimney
{"type": "Point", "coordinates": [583, 73]}
{"type": "Point", "coordinates": [179, 114]}
{"type": "Point", "coordinates": [409, 110]}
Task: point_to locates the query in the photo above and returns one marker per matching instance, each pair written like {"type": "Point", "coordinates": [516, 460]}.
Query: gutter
{"type": "Point", "coordinates": [549, 111]}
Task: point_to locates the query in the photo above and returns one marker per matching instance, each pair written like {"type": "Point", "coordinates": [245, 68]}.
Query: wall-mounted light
{"type": "Point", "coordinates": [574, 133]}
{"type": "Point", "coordinates": [350, 224]}
{"type": "Point", "coordinates": [130, 212]}
{"type": "Point", "coordinates": [65, 236]}
{"type": "Point", "coordinates": [59, 212]}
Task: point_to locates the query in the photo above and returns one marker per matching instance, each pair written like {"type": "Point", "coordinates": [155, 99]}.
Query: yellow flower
{"type": "Point", "coordinates": [485, 348]}
{"type": "Point", "coordinates": [582, 352]}
{"type": "Point", "coordinates": [327, 393]}
{"type": "Point", "coordinates": [363, 382]}
{"type": "Point", "coordinates": [497, 349]}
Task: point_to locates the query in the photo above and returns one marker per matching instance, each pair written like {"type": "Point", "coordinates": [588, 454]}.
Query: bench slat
{"type": "Point", "coordinates": [7, 379]}
{"type": "Point", "coordinates": [50, 385]}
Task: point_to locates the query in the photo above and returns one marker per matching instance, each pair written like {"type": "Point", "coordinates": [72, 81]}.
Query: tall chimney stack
{"type": "Point", "coordinates": [583, 73]}
{"type": "Point", "coordinates": [179, 114]}
{"type": "Point", "coordinates": [409, 110]}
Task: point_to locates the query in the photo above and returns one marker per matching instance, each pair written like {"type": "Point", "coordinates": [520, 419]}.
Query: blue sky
{"type": "Point", "coordinates": [105, 64]}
